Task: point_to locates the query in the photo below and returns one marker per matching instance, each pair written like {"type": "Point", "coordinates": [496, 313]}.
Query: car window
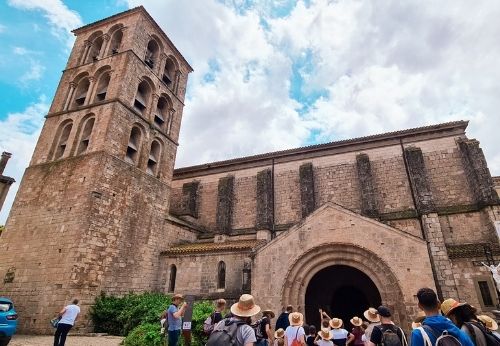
{"type": "Point", "coordinates": [4, 306]}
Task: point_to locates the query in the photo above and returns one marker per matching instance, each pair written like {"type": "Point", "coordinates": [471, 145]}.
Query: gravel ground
{"type": "Point", "coordinates": [43, 340]}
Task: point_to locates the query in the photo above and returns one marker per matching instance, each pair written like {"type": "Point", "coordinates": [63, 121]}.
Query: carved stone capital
{"type": "Point", "coordinates": [106, 37]}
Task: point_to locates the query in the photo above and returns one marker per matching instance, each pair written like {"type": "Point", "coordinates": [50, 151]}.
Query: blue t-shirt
{"type": "Point", "coordinates": [173, 323]}
{"type": "Point", "coordinates": [438, 324]}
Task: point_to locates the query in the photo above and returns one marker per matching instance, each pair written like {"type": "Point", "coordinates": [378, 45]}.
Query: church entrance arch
{"type": "Point", "coordinates": [341, 291]}
{"type": "Point", "coordinates": [364, 280]}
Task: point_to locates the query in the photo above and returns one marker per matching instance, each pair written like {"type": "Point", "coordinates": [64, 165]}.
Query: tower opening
{"type": "Point", "coordinates": [341, 291]}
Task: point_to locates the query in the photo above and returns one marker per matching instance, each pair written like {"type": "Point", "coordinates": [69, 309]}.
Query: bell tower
{"type": "Point", "coordinates": [90, 212]}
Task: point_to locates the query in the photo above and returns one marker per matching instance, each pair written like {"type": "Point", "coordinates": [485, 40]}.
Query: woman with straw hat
{"type": "Point", "coordinates": [357, 330]}
{"type": "Point", "coordinates": [341, 337]}
{"type": "Point", "coordinates": [279, 337]}
{"type": "Point", "coordinates": [373, 318]}
{"type": "Point", "coordinates": [294, 333]}
{"type": "Point", "coordinates": [463, 315]}
{"type": "Point", "coordinates": [490, 324]}
{"type": "Point", "coordinates": [326, 336]}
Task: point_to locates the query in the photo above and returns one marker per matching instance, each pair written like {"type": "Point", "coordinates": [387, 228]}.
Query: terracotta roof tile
{"type": "Point", "coordinates": [237, 245]}
{"type": "Point", "coordinates": [471, 250]}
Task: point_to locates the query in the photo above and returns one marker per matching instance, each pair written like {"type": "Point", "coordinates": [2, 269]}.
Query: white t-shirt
{"type": "Point", "coordinates": [294, 332]}
{"type": "Point", "coordinates": [70, 314]}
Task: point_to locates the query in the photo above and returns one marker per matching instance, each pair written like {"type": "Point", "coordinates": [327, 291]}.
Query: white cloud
{"type": "Point", "coordinates": [34, 73]}
{"type": "Point", "coordinates": [18, 135]}
{"type": "Point", "coordinates": [60, 18]}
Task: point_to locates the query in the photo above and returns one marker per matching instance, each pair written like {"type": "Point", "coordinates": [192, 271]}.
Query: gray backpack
{"type": "Point", "coordinates": [226, 335]}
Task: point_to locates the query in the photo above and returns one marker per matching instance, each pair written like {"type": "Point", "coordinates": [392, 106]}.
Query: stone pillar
{"type": "Point", "coordinates": [3, 161]}
{"type": "Point", "coordinates": [368, 202]}
{"type": "Point", "coordinates": [190, 198]}
{"type": "Point", "coordinates": [89, 91]}
{"type": "Point", "coordinates": [306, 177]}
{"type": "Point", "coordinates": [418, 179]}
{"type": "Point", "coordinates": [265, 203]}
{"type": "Point", "coordinates": [72, 86]}
{"type": "Point", "coordinates": [104, 47]}
{"type": "Point", "coordinates": [477, 173]}
{"type": "Point", "coordinates": [439, 256]}
{"type": "Point", "coordinates": [5, 182]}
{"type": "Point", "coordinates": [225, 204]}
{"type": "Point", "coordinates": [87, 45]}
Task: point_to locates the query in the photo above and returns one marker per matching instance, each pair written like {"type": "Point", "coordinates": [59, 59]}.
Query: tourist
{"type": "Point", "coordinates": [340, 336]}
{"type": "Point", "coordinates": [67, 318]}
{"type": "Point", "coordinates": [357, 331]}
{"type": "Point", "coordinates": [174, 314]}
{"type": "Point", "coordinates": [325, 319]}
{"type": "Point", "coordinates": [374, 320]}
{"type": "Point", "coordinates": [325, 337]}
{"type": "Point", "coordinates": [417, 322]}
{"type": "Point", "coordinates": [282, 321]}
{"type": "Point", "coordinates": [265, 332]}
{"type": "Point", "coordinates": [386, 332]}
{"type": "Point", "coordinates": [489, 323]}
{"type": "Point", "coordinates": [434, 321]}
{"type": "Point", "coordinates": [279, 337]}
{"type": "Point", "coordinates": [241, 315]}
{"type": "Point", "coordinates": [311, 336]}
{"type": "Point", "coordinates": [215, 317]}
{"type": "Point", "coordinates": [295, 331]}
{"type": "Point", "coordinates": [464, 317]}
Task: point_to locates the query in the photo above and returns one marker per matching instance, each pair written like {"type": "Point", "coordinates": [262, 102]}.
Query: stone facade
{"type": "Point", "coordinates": [101, 209]}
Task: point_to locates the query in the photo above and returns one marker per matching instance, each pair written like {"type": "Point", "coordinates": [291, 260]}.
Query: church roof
{"type": "Point", "coordinates": [199, 248]}
{"type": "Point", "coordinates": [346, 145]}
{"type": "Point", "coordinates": [472, 250]}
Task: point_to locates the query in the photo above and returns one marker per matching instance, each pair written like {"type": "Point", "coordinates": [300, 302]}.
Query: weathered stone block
{"type": "Point", "coordinates": [225, 204]}
{"type": "Point", "coordinates": [419, 180]}
{"type": "Point", "coordinates": [190, 198]}
{"type": "Point", "coordinates": [368, 202]}
{"type": "Point", "coordinates": [306, 174]}
{"type": "Point", "coordinates": [265, 199]}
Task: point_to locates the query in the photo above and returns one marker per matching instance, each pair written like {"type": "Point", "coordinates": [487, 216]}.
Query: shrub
{"type": "Point", "coordinates": [145, 334]}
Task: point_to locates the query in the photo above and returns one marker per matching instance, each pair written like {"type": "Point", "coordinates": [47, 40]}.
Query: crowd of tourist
{"type": "Point", "coordinates": [449, 323]}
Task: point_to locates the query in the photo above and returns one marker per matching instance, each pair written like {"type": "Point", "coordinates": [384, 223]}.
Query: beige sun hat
{"type": "Point", "coordinates": [417, 322]}
{"type": "Point", "coordinates": [245, 307]}
{"type": "Point", "coordinates": [296, 319]}
{"type": "Point", "coordinates": [268, 312]}
{"type": "Point", "coordinates": [372, 315]}
{"type": "Point", "coordinates": [279, 333]}
{"type": "Point", "coordinates": [336, 323]}
{"type": "Point", "coordinates": [356, 321]}
{"type": "Point", "coordinates": [178, 296]}
{"type": "Point", "coordinates": [325, 334]}
{"type": "Point", "coordinates": [489, 323]}
{"type": "Point", "coordinates": [449, 304]}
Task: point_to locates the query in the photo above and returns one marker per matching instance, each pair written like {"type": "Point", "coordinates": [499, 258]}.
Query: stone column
{"type": "Point", "coordinates": [87, 45]}
{"type": "Point", "coordinates": [90, 90]}
{"type": "Point", "coordinates": [3, 161]}
{"type": "Point", "coordinates": [5, 182]}
{"type": "Point", "coordinates": [72, 86]}
{"type": "Point", "coordinates": [150, 116]}
{"type": "Point", "coordinates": [104, 47]}
{"type": "Point", "coordinates": [170, 121]}
{"type": "Point", "coordinates": [307, 200]}
{"type": "Point", "coordinates": [265, 203]}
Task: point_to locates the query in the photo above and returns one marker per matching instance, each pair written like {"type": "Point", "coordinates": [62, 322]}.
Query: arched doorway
{"type": "Point", "coordinates": [342, 291]}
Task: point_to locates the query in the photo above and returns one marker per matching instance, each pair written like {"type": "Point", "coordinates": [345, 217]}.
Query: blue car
{"type": "Point", "coordinates": [8, 320]}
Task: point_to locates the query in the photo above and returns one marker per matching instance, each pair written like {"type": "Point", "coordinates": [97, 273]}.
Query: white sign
{"type": "Point", "coordinates": [497, 227]}
{"type": "Point", "coordinates": [186, 326]}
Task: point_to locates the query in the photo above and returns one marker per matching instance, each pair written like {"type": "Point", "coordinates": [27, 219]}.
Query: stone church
{"type": "Point", "coordinates": [339, 226]}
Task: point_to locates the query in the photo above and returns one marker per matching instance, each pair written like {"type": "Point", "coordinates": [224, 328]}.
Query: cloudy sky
{"type": "Point", "coordinates": [271, 75]}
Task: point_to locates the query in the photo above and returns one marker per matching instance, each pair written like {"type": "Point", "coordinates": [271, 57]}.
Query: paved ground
{"type": "Point", "coordinates": [37, 340]}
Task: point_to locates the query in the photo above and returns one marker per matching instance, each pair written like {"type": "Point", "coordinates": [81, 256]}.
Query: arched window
{"type": "Point", "coordinates": [154, 158]}
{"type": "Point", "coordinates": [221, 275]}
{"type": "Point", "coordinates": [173, 274]}
{"type": "Point", "coordinates": [102, 88]}
{"type": "Point", "coordinates": [62, 141]}
{"type": "Point", "coordinates": [134, 143]}
{"type": "Point", "coordinates": [85, 137]}
{"type": "Point", "coordinates": [116, 41]}
{"type": "Point", "coordinates": [142, 96]}
{"type": "Point", "coordinates": [161, 113]}
{"type": "Point", "coordinates": [95, 49]}
{"type": "Point", "coordinates": [81, 93]}
{"type": "Point", "coordinates": [169, 72]}
{"type": "Point", "coordinates": [152, 53]}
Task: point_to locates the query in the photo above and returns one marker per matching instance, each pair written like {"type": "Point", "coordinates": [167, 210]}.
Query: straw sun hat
{"type": "Point", "coordinates": [490, 323]}
{"type": "Point", "coordinates": [449, 304]}
{"type": "Point", "coordinates": [356, 321]}
{"type": "Point", "coordinates": [417, 322]}
{"type": "Point", "coordinates": [279, 333]}
{"type": "Point", "coordinates": [325, 334]}
{"type": "Point", "coordinates": [245, 307]}
{"type": "Point", "coordinates": [296, 319]}
{"type": "Point", "coordinates": [336, 323]}
{"type": "Point", "coordinates": [372, 315]}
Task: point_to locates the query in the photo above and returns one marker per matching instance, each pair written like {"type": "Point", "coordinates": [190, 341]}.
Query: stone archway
{"type": "Point", "coordinates": [326, 255]}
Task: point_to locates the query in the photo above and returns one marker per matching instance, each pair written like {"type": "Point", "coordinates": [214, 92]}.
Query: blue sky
{"type": "Point", "coordinates": [276, 74]}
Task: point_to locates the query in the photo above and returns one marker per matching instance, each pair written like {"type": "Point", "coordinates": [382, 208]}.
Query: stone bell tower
{"type": "Point", "coordinates": [90, 212]}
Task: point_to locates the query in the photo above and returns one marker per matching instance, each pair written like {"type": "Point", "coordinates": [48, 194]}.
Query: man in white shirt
{"type": "Point", "coordinates": [67, 318]}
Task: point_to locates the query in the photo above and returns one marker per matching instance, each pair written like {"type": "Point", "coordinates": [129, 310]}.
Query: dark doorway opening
{"type": "Point", "coordinates": [341, 291]}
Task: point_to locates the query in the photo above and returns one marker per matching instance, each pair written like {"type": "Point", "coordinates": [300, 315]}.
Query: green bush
{"type": "Point", "coordinates": [137, 316]}
{"type": "Point", "coordinates": [145, 334]}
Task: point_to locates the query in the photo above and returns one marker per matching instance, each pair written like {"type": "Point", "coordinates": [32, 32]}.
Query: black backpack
{"type": "Point", "coordinates": [491, 339]}
{"type": "Point", "coordinates": [445, 339]}
{"type": "Point", "coordinates": [259, 329]}
{"type": "Point", "coordinates": [390, 336]}
{"type": "Point", "coordinates": [226, 335]}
